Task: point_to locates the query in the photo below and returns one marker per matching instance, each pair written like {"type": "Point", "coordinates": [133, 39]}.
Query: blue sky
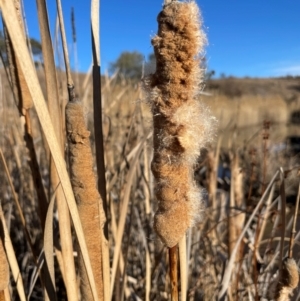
{"type": "Point", "coordinates": [257, 38]}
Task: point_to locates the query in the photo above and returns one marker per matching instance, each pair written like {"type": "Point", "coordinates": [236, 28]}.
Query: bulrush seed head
{"type": "Point", "coordinates": [182, 125]}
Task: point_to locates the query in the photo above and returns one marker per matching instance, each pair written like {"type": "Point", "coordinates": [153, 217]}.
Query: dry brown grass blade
{"type": "Point", "coordinates": [17, 76]}
{"type": "Point", "coordinates": [265, 216]}
{"type": "Point", "coordinates": [50, 71]}
{"type": "Point", "coordinates": [35, 274]}
{"type": "Point", "coordinates": [24, 102]}
{"type": "Point", "coordinates": [293, 231]}
{"type": "Point", "coordinates": [97, 103]}
{"type": "Point", "coordinates": [276, 224]}
{"type": "Point", "coordinates": [213, 163]}
{"type": "Point", "coordinates": [230, 265]}
{"type": "Point", "coordinates": [35, 170]}
{"type": "Point", "coordinates": [283, 219]}
{"type": "Point", "coordinates": [48, 245]}
{"type": "Point", "coordinates": [121, 259]}
{"type": "Point", "coordinates": [146, 168]}
{"type": "Point", "coordinates": [44, 118]}
{"type": "Point", "coordinates": [11, 257]}
{"type": "Point", "coordinates": [147, 259]}
{"type": "Point", "coordinates": [122, 218]}
{"type": "Point", "coordinates": [56, 117]}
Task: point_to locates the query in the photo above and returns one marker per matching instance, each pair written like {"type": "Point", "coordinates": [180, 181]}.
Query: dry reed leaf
{"type": "Point", "coordinates": [35, 274]}
{"type": "Point", "coordinates": [122, 218]}
{"type": "Point", "coordinates": [25, 101]}
{"type": "Point", "coordinates": [56, 117]}
{"type": "Point", "coordinates": [236, 218]}
{"type": "Point", "coordinates": [147, 259]}
{"type": "Point", "coordinates": [265, 216]}
{"type": "Point", "coordinates": [44, 118]}
{"type": "Point", "coordinates": [183, 267]}
{"type": "Point", "coordinates": [64, 43]}
{"type": "Point", "coordinates": [282, 213]}
{"type": "Point", "coordinates": [97, 105]}
{"type": "Point", "coordinates": [121, 259]}
{"type": "Point", "coordinates": [95, 8]}
{"type": "Point", "coordinates": [12, 260]}
{"type": "Point", "coordinates": [21, 95]}
{"type": "Point", "coordinates": [48, 246]}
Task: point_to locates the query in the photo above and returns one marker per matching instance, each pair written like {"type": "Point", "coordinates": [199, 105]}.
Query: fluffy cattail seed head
{"type": "Point", "coordinates": [289, 280]}
{"type": "Point", "coordinates": [182, 125]}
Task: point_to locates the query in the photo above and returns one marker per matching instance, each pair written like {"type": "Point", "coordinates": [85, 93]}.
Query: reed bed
{"type": "Point", "coordinates": [86, 222]}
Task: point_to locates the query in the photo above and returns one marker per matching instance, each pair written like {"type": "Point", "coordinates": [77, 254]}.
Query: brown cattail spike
{"type": "Point", "coordinates": [86, 195]}
{"type": "Point", "coordinates": [4, 268]}
{"type": "Point", "coordinates": [182, 125]}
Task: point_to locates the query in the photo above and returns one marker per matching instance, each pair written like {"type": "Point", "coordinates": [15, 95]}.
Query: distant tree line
{"type": "Point", "coordinates": [132, 65]}
{"type": "Point", "coordinates": [35, 46]}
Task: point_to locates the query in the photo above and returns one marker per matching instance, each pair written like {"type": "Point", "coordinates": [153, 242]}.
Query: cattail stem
{"type": "Point", "coordinates": [173, 261]}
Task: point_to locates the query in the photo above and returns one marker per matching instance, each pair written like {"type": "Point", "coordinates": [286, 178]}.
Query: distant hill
{"type": "Point", "coordinates": [288, 88]}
